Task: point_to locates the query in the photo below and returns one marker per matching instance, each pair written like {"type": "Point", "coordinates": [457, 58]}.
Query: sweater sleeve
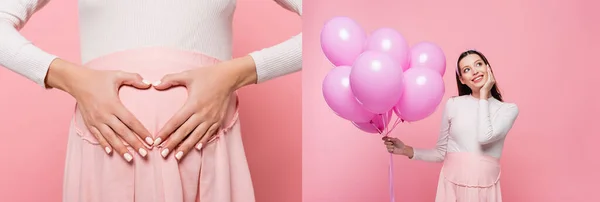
{"type": "Point", "coordinates": [283, 58]}
{"type": "Point", "coordinates": [437, 153]}
{"type": "Point", "coordinates": [489, 131]}
{"type": "Point", "coordinates": [17, 53]}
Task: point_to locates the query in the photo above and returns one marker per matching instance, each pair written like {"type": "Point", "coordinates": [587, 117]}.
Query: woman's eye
{"type": "Point", "coordinates": [466, 70]}
{"type": "Point", "coordinates": [479, 64]}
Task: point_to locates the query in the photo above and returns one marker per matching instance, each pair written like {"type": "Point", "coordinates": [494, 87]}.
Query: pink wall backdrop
{"type": "Point", "coordinates": [34, 122]}
{"type": "Point", "coordinates": [545, 56]}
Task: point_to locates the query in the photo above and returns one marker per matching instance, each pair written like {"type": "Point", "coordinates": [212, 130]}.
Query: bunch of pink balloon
{"type": "Point", "coordinates": [378, 75]}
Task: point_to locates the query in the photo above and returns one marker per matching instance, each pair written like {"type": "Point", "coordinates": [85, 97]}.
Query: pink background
{"type": "Point", "coordinates": [32, 155]}
{"type": "Point", "coordinates": [551, 153]}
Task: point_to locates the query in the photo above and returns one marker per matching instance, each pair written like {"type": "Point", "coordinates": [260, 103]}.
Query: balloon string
{"type": "Point", "coordinates": [393, 126]}
{"type": "Point", "coordinates": [387, 129]}
{"type": "Point", "coordinates": [391, 162]}
{"type": "Point", "coordinates": [391, 179]}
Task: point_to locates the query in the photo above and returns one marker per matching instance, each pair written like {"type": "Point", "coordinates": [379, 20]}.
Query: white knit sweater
{"type": "Point", "coordinates": [108, 26]}
{"type": "Point", "coordinates": [472, 125]}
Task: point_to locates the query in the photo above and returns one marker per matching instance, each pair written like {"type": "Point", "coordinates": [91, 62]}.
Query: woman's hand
{"type": "Point", "coordinates": [487, 87]}
{"type": "Point", "coordinates": [97, 98]}
{"type": "Point", "coordinates": [201, 117]}
{"type": "Point", "coordinates": [394, 145]}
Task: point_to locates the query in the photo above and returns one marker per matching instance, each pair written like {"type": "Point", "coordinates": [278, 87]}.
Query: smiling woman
{"type": "Point", "coordinates": [518, 40]}
{"type": "Point", "coordinates": [464, 72]}
{"type": "Point", "coordinates": [471, 170]}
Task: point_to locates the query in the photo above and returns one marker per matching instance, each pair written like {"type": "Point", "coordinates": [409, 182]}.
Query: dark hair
{"type": "Point", "coordinates": [464, 89]}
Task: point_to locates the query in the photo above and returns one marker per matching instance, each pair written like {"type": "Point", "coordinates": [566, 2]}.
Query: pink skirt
{"type": "Point", "coordinates": [469, 177]}
{"type": "Point", "coordinates": [218, 173]}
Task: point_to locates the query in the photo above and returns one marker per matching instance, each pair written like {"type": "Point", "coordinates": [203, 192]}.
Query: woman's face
{"type": "Point", "coordinates": [473, 72]}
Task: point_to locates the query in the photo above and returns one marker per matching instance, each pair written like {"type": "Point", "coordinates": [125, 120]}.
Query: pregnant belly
{"type": "Point", "coordinates": [151, 107]}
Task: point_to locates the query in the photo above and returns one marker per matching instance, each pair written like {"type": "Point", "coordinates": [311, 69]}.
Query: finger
{"type": "Point", "coordinates": [181, 133]}
{"type": "Point", "coordinates": [115, 142]}
{"type": "Point", "coordinates": [127, 135]}
{"type": "Point", "coordinates": [133, 79]}
{"type": "Point", "coordinates": [196, 135]}
{"type": "Point", "coordinates": [127, 118]}
{"type": "Point", "coordinates": [171, 80]}
{"type": "Point", "coordinates": [175, 122]}
{"type": "Point", "coordinates": [208, 135]}
{"type": "Point", "coordinates": [491, 75]}
{"type": "Point", "coordinates": [101, 140]}
{"type": "Point", "coordinates": [389, 143]}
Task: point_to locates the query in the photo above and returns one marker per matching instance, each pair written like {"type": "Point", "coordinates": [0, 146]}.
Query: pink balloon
{"type": "Point", "coordinates": [428, 55]}
{"type": "Point", "coordinates": [379, 123]}
{"type": "Point", "coordinates": [342, 40]}
{"type": "Point", "coordinates": [339, 97]}
{"type": "Point", "coordinates": [377, 81]}
{"type": "Point", "coordinates": [391, 42]}
{"type": "Point", "coordinates": [423, 92]}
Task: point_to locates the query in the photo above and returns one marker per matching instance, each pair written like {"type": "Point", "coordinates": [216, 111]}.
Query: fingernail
{"type": "Point", "coordinates": [156, 83]}
{"type": "Point", "coordinates": [164, 152]}
{"type": "Point", "coordinates": [107, 149]}
{"type": "Point", "coordinates": [179, 155]}
{"type": "Point", "coordinates": [157, 141]}
{"type": "Point", "coordinates": [199, 146]}
{"type": "Point", "coordinates": [128, 157]}
{"type": "Point", "coordinates": [149, 140]}
{"type": "Point", "coordinates": [146, 82]}
{"type": "Point", "coordinates": [143, 152]}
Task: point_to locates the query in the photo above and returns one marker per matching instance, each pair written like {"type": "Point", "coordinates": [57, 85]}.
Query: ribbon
{"type": "Point", "coordinates": [391, 161]}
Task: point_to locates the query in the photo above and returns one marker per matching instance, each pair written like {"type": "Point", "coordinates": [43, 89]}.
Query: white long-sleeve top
{"type": "Point", "coordinates": [471, 125]}
{"type": "Point", "coordinates": [204, 26]}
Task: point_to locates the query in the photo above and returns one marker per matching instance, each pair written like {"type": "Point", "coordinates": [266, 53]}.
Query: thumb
{"type": "Point", "coordinates": [171, 80]}
{"type": "Point", "coordinates": [132, 79]}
